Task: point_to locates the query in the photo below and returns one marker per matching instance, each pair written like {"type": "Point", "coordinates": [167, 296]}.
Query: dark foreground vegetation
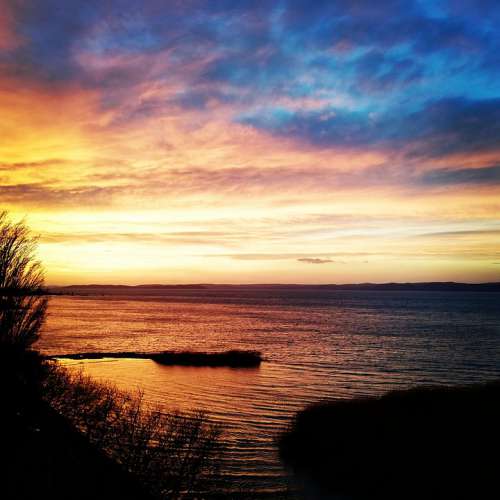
{"type": "Point", "coordinates": [172, 454]}
{"type": "Point", "coordinates": [435, 442]}
{"type": "Point", "coordinates": [62, 435]}
{"type": "Point", "coordinates": [43, 455]}
{"type": "Point", "coordinates": [63, 428]}
{"type": "Point", "coordinates": [232, 359]}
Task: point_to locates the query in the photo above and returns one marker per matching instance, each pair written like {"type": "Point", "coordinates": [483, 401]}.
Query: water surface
{"type": "Point", "coordinates": [317, 345]}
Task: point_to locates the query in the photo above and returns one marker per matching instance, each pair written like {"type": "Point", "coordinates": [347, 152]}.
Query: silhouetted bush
{"type": "Point", "coordinates": [435, 442]}
{"type": "Point", "coordinates": [232, 359]}
{"type": "Point", "coordinates": [22, 303]}
{"type": "Point", "coordinates": [175, 455]}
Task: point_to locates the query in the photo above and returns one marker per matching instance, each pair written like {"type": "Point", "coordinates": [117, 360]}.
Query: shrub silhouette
{"type": "Point", "coordinates": [174, 455]}
{"type": "Point", "coordinates": [427, 442]}
{"type": "Point", "coordinates": [22, 303]}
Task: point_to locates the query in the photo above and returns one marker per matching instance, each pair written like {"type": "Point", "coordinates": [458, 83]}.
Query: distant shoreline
{"type": "Point", "coordinates": [438, 286]}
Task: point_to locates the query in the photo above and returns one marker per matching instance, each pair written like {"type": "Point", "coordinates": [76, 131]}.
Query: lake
{"type": "Point", "coordinates": [317, 345]}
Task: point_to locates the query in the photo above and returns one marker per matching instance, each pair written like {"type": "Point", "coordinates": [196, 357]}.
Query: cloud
{"type": "Point", "coordinates": [9, 39]}
{"type": "Point", "coordinates": [470, 232]}
{"type": "Point", "coordinates": [127, 186]}
{"type": "Point", "coordinates": [46, 196]}
{"type": "Point", "coordinates": [196, 238]}
{"type": "Point", "coordinates": [377, 72]}
{"type": "Point", "coordinates": [472, 176]}
{"type": "Point", "coordinates": [301, 257]}
{"type": "Point", "coordinates": [310, 260]}
{"type": "Point", "coordinates": [31, 164]}
{"type": "Point", "coordinates": [287, 47]}
{"type": "Point", "coordinates": [242, 58]}
{"type": "Point", "coordinates": [453, 125]}
{"type": "Point", "coordinates": [443, 127]}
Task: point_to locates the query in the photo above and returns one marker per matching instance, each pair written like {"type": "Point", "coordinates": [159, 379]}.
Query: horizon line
{"type": "Point", "coordinates": [364, 283]}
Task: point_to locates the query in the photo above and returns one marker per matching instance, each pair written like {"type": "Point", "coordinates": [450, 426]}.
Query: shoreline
{"type": "Point", "coordinates": [436, 286]}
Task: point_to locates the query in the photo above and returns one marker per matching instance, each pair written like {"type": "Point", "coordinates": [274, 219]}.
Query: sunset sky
{"type": "Point", "coordinates": [254, 141]}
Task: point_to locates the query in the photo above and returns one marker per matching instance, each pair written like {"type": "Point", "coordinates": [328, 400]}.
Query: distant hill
{"type": "Point", "coordinates": [438, 286]}
{"type": "Point", "coordinates": [100, 287]}
{"type": "Point", "coordinates": [426, 286]}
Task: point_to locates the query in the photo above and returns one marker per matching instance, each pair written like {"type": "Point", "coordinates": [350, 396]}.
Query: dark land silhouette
{"type": "Point", "coordinates": [231, 359]}
{"type": "Point", "coordinates": [77, 438]}
{"type": "Point", "coordinates": [434, 442]}
{"type": "Point", "coordinates": [438, 286]}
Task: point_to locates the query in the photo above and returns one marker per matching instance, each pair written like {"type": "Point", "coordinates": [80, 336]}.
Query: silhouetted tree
{"type": "Point", "coordinates": [22, 303]}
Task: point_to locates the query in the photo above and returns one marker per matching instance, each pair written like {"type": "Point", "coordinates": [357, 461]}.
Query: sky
{"type": "Point", "coordinates": [232, 141]}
